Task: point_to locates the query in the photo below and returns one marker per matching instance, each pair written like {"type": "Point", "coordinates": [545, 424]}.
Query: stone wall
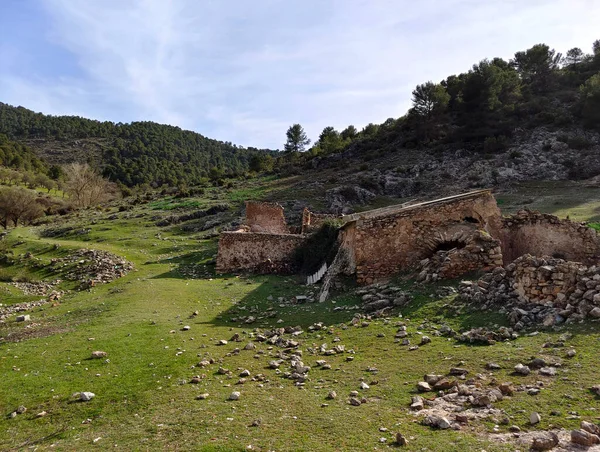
{"type": "Point", "coordinates": [257, 252]}
{"type": "Point", "coordinates": [312, 221]}
{"type": "Point", "coordinates": [388, 242]}
{"type": "Point", "coordinates": [481, 252]}
{"type": "Point", "coordinates": [539, 234]}
{"type": "Point", "coordinates": [534, 290]}
{"type": "Point", "coordinates": [265, 217]}
{"type": "Point", "coordinates": [543, 280]}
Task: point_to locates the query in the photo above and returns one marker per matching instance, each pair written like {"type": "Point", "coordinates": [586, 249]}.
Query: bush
{"type": "Point", "coordinates": [515, 154]}
{"type": "Point", "coordinates": [579, 143]}
{"type": "Point", "coordinates": [495, 144]}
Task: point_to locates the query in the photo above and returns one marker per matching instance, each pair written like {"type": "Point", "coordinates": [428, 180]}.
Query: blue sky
{"type": "Point", "coordinates": [244, 70]}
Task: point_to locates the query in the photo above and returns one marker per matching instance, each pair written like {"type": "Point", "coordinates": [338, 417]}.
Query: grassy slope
{"type": "Point", "coordinates": [141, 404]}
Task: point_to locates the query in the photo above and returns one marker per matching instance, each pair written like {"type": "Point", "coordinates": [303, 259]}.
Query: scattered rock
{"type": "Point", "coordinates": [354, 401]}
{"type": "Point", "coordinates": [548, 371]}
{"type": "Point", "coordinates": [235, 395]}
{"type": "Point", "coordinates": [534, 418]}
{"type": "Point", "coordinates": [437, 422]}
{"type": "Point", "coordinates": [522, 369]}
{"type": "Point", "coordinates": [416, 403]}
{"type": "Point", "coordinates": [544, 441]}
{"type": "Point", "coordinates": [400, 440]}
{"type": "Point", "coordinates": [86, 396]}
{"type": "Point", "coordinates": [423, 386]}
{"type": "Point", "coordinates": [584, 438]}
{"type": "Point", "coordinates": [99, 354]}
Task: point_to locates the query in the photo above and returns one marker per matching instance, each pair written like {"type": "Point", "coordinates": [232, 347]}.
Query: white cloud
{"type": "Point", "coordinates": [243, 71]}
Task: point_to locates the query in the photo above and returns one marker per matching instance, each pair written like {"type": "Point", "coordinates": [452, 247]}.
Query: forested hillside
{"type": "Point", "coordinates": [17, 156]}
{"type": "Point", "coordinates": [481, 110]}
{"type": "Point", "coordinates": [135, 153]}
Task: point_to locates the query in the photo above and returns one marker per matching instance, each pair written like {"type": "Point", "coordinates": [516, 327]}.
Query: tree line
{"type": "Point", "coordinates": [134, 153]}
{"type": "Point", "coordinates": [479, 109]}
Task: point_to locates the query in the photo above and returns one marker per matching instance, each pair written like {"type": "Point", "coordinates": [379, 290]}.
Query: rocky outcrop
{"type": "Point", "coordinates": [340, 199]}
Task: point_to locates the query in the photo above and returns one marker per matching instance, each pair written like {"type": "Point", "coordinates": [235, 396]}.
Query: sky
{"type": "Point", "coordinates": [245, 70]}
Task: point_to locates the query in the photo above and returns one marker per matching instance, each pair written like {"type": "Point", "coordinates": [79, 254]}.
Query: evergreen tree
{"type": "Point", "coordinates": [296, 139]}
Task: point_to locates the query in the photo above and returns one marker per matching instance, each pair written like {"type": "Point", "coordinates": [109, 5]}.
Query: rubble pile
{"type": "Point", "coordinates": [7, 311]}
{"type": "Point", "coordinates": [37, 288]}
{"type": "Point", "coordinates": [479, 251]}
{"type": "Point", "coordinates": [487, 336]}
{"type": "Point", "coordinates": [91, 267]}
{"type": "Point", "coordinates": [537, 290]}
{"type": "Point", "coordinates": [379, 298]}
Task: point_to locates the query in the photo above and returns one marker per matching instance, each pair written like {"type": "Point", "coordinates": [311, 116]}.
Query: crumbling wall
{"type": "Point", "coordinates": [538, 234]}
{"type": "Point", "coordinates": [481, 252]}
{"type": "Point", "coordinates": [266, 217]}
{"type": "Point", "coordinates": [534, 290]}
{"type": "Point", "coordinates": [397, 241]}
{"type": "Point", "coordinates": [542, 280]}
{"type": "Point", "coordinates": [257, 252]}
{"type": "Point", "coordinates": [312, 221]}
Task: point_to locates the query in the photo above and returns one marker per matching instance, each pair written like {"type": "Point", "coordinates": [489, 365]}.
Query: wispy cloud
{"type": "Point", "coordinates": [243, 71]}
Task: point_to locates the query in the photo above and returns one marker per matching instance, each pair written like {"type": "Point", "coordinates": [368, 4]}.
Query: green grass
{"type": "Point", "coordinates": [172, 204]}
{"type": "Point", "coordinates": [141, 403]}
{"type": "Point", "coordinates": [561, 198]}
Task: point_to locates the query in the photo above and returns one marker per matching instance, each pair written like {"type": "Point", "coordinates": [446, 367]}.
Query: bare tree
{"type": "Point", "coordinates": [86, 187]}
{"type": "Point", "coordinates": [18, 205]}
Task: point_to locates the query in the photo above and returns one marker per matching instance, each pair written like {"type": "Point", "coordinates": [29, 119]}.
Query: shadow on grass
{"type": "Point", "coordinates": [272, 303]}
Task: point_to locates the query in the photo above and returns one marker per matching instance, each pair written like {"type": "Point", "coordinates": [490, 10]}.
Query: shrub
{"type": "Point", "coordinates": [495, 144]}
{"type": "Point", "coordinates": [515, 154]}
{"type": "Point", "coordinates": [579, 143]}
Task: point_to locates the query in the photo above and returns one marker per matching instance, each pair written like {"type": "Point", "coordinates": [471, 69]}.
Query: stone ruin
{"type": "Point", "coordinates": [538, 290]}
{"type": "Point", "coordinates": [441, 239]}
{"type": "Point", "coordinates": [265, 243]}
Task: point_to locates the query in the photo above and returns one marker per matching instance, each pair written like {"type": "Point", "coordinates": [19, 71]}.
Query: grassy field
{"type": "Point", "coordinates": [144, 398]}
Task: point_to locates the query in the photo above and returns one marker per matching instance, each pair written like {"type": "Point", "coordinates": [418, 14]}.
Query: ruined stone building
{"type": "Point", "coordinates": [443, 238]}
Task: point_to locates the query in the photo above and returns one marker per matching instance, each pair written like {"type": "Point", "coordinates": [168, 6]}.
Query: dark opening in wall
{"type": "Point", "coordinates": [450, 245]}
{"type": "Point", "coordinates": [471, 220]}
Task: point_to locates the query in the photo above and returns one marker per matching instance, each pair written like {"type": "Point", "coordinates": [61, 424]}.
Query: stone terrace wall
{"type": "Point", "coordinates": [266, 217]}
{"type": "Point", "coordinates": [257, 252]}
{"type": "Point", "coordinates": [539, 234]}
{"type": "Point", "coordinates": [385, 245]}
